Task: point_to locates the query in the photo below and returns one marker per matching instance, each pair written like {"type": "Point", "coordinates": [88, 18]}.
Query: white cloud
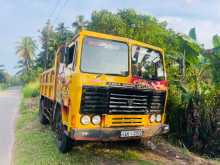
{"type": "Point", "coordinates": [205, 29]}
{"type": "Point", "coordinates": [189, 2]}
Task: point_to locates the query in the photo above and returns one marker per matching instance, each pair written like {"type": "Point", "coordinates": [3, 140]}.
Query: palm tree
{"type": "Point", "coordinates": [25, 49]}
{"type": "Point", "coordinates": [79, 24]}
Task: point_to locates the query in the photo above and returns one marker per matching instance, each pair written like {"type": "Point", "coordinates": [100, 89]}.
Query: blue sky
{"type": "Point", "coordinates": [21, 18]}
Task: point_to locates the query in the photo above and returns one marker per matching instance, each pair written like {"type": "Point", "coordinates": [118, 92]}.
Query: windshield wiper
{"type": "Point", "coordinates": [100, 75]}
{"type": "Point", "coordinates": [110, 74]}
{"type": "Point", "coordinates": [114, 74]}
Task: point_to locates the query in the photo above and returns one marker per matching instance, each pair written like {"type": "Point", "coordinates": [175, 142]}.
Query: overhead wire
{"type": "Point", "coordinates": [54, 9]}
{"type": "Point", "coordinates": [60, 11]}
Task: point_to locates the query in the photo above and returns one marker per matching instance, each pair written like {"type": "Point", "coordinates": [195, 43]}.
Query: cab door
{"type": "Point", "coordinates": [69, 69]}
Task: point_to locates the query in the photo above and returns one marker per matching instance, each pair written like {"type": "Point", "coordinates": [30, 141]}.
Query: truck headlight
{"type": "Point", "coordinates": [152, 118]}
{"type": "Point", "coordinates": [85, 119]}
{"type": "Point", "coordinates": [158, 117]}
{"type": "Point", "coordinates": [96, 119]}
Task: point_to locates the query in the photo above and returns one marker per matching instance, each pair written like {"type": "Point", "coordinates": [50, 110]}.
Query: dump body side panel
{"type": "Point", "coordinates": [47, 85]}
{"type": "Point", "coordinates": [48, 81]}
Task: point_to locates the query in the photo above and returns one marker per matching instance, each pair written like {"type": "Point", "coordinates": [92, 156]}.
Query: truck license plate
{"type": "Point", "coordinates": [135, 133]}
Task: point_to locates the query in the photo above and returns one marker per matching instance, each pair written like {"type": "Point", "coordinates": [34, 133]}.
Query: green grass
{"type": "Point", "coordinates": [31, 90]}
{"type": "Point", "coordinates": [35, 144]}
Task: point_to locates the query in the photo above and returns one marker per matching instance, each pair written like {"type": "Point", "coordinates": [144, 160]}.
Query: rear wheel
{"type": "Point", "coordinates": [64, 143]}
{"type": "Point", "coordinates": [42, 118]}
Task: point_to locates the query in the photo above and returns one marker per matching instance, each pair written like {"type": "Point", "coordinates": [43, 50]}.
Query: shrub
{"type": "Point", "coordinates": [192, 106]}
{"type": "Point", "coordinates": [3, 86]}
{"type": "Point", "coordinates": [31, 90]}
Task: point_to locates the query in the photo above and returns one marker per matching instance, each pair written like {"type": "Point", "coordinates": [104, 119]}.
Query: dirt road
{"type": "Point", "coordinates": [9, 104]}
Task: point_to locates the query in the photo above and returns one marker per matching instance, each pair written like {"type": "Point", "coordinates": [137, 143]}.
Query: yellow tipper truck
{"type": "Point", "coordinates": [104, 88]}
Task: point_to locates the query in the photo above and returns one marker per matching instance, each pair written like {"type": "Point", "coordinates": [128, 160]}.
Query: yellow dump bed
{"type": "Point", "coordinates": [48, 83]}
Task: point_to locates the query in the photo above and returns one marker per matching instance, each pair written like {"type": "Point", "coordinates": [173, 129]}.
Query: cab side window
{"type": "Point", "coordinates": [70, 57]}
{"type": "Point", "coordinates": [62, 64]}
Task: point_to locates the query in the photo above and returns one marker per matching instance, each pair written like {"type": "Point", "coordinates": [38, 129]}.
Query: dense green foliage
{"type": "Point", "coordinates": [214, 58]}
{"type": "Point", "coordinates": [191, 102]}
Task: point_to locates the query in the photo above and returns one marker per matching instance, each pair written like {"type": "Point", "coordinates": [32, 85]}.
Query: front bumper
{"type": "Point", "coordinates": [113, 134]}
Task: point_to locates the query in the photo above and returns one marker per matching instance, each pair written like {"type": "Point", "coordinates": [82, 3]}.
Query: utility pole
{"type": "Point", "coordinates": [47, 37]}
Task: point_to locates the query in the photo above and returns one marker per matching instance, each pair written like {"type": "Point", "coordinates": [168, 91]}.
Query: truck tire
{"type": "Point", "coordinates": [64, 143]}
{"type": "Point", "coordinates": [42, 118]}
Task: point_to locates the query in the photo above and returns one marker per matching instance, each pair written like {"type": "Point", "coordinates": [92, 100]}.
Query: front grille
{"type": "Point", "coordinates": [128, 101]}
{"type": "Point", "coordinates": [119, 100]}
{"type": "Point", "coordinates": [157, 101]}
{"type": "Point", "coordinates": [94, 100]}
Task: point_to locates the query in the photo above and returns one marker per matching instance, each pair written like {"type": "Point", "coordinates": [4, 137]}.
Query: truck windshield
{"type": "Point", "coordinates": [147, 63]}
{"type": "Point", "coordinates": [104, 57]}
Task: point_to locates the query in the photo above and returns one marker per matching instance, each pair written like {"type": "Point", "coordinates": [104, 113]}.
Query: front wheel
{"type": "Point", "coordinates": [64, 143]}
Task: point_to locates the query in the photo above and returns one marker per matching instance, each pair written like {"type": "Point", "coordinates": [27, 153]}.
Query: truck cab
{"type": "Point", "coordinates": [104, 88]}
